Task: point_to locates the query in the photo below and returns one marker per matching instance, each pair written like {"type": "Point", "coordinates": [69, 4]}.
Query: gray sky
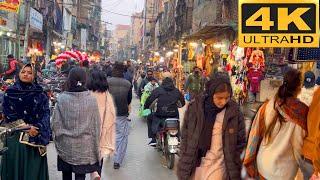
{"type": "Point", "coordinates": [126, 7]}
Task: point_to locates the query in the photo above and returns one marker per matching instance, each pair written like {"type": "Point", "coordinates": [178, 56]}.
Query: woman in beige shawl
{"type": "Point", "coordinates": [97, 84]}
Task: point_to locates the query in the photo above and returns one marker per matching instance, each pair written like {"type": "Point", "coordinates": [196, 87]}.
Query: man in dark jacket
{"type": "Point", "coordinates": [168, 98]}
{"type": "Point", "coordinates": [121, 91]}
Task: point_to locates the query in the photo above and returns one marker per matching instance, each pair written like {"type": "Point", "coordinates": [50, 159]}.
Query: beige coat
{"type": "Point", "coordinates": [107, 136]}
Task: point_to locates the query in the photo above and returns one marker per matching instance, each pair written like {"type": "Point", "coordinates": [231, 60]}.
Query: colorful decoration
{"type": "Point", "coordinates": [10, 5]}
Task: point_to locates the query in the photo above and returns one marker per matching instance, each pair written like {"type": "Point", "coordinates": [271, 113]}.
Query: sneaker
{"type": "Point", "coordinates": [153, 142]}
{"type": "Point", "coordinates": [116, 166]}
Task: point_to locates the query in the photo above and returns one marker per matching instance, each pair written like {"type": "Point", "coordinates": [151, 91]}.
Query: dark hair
{"type": "Point", "coordinates": [97, 81]}
{"type": "Point", "coordinates": [291, 83]}
{"type": "Point", "coordinates": [118, 70]}
{"type": "Point", "coordinates": [143, 75]}
{"type": "Point", "coordinates": [149, 70]}
{"type": "Point", "coordinates": [85, 63]}
{"type": "Point", "coordinates": [77, 79]}
{"type": "Point", "coordinates": [196, 67]}
{"type": "Point", "coordinates": [218, 83]}
{"type": "Point", "coordinates": [10, 56]}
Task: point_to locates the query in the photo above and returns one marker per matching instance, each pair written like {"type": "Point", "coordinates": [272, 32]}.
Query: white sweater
{"type": "Point", "coordinates": [278, 159]}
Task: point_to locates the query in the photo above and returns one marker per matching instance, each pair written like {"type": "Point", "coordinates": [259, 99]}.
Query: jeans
{"type": "Point", "coordinates": [306, 169]}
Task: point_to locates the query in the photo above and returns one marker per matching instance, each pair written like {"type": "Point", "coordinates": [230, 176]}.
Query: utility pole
{"type": "Point", "coordinates": [18, 35]}
{"type": "Point", "coordinates": [26, 33]}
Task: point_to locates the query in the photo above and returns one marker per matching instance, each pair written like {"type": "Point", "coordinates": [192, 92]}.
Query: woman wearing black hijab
{"type": "Point", "coordinates": [213, 134]}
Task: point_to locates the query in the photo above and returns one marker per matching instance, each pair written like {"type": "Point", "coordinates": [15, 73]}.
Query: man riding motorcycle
{"type": "Point", "coordinates": [168, 98]}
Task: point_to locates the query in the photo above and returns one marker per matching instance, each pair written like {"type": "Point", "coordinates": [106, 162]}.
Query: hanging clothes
{"type": "Point", "coordinates": [255, 77]}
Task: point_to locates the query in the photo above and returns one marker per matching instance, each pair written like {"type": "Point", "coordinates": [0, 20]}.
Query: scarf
{"type": "Point", "coordinates": [293, 111]}
{"type": "Point", "coordinates": [210, 114]}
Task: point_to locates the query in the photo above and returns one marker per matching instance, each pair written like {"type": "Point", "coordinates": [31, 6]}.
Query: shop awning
{"type": "Point", "coordinates": [209, 31]}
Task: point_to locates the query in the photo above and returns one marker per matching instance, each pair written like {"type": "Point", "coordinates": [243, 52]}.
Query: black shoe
{"type": "Point", "coordinates": [116, 166]}
{"type": "Point", "coordinates": [153, 142]}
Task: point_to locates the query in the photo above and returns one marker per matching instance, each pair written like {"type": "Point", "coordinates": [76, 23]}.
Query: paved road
{"type": "Point", "coordinates": [141, 163]}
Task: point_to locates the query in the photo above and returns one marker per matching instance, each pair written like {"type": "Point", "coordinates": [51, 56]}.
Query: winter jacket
{"type": "Point", "coordinates": [167, 97]}
{"type": "Point", "coordinates": [108, 118]}
{"type": "Point", "coordinates": [194, 84]}
{"type": "Point", "coordinates": [12, 70]}
{"type": "Point", "coordinates": [233, 137]}
{"type": "Point", "coordinates": [121, 90]}
{"type": "Point", "coordinates": [311, 144]}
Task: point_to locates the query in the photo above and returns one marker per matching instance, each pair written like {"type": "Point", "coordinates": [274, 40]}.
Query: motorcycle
{"type": "Point", "coordinates": [168, 140]}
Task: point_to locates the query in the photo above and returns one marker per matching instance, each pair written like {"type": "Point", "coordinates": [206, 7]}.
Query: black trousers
{"type": "Point", "coordinates": [68, 176]}
{"type": "Point", "coordinates": [149, 123]}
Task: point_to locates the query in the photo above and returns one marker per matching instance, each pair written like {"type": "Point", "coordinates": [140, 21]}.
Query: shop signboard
{"type": "Point", "coordinates": [278, 23]}
{"type": "Point", "coordinates": [83, 41]}
{"type": "Point", "coordinates": [36, 20]}
{"type": "Point", "coordinates": [10, 5]}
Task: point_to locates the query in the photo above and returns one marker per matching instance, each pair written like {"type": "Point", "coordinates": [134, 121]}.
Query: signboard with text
{"type": "Point", "coordinates": [10, 5]}
{"type": "Point", "coordinates": [36, 19]}
{"type": "Point", "coordinates": [279, 23]}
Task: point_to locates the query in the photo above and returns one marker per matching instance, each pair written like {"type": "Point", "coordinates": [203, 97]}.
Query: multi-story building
{"type": "Point", "coordinates": [121, 42]}
{"type": "Point", "coordinates": [136, 34]}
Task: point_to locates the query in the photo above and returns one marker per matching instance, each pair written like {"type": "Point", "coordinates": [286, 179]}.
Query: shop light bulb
{"type": "Point", "coordinates": [170, 53]}
{"type": "Point", "coordinates": [219, 45]}
{"type": "Point", "coordinates": [175, 50]}
{"type": "Point", "coordinates": [8, 34]}
{"type": "Point", "coordinates": [193, 44]}
{"type": "Point", "coordinates": [164, 48]}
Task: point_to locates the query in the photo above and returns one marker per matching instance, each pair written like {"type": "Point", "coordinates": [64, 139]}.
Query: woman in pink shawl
{"type": "Point", "coordinates": [98, 86]}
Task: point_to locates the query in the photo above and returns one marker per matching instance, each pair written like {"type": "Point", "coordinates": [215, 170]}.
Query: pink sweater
{"type": "Point", "coordinates": [107, 137]}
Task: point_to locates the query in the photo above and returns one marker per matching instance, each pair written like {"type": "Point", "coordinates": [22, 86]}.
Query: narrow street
{"type": "Point", "coordinates": [141, 163]}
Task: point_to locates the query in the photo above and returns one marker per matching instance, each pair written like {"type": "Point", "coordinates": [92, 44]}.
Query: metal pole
{"type": "Point", "coordinates": [48, 43]}
{"type": "Point", "coordinates": [26, 33]}
{"type": "Point", "coordinates": [18, 36]}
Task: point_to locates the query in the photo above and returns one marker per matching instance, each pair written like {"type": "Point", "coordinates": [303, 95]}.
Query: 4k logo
{"type": "Point", "coordinates": [279, 23]}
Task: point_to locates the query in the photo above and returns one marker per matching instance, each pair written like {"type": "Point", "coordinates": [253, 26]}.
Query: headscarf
{"type": "Point", "coordinates": [211, 110]}
{"type": "Point", "coordinates": [293, 110]}
{"type": "Point", "coordinates": [28, 101]}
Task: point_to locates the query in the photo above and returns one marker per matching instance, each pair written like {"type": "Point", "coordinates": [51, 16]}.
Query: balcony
{"type": "Point", "coordinates": [204, 14]}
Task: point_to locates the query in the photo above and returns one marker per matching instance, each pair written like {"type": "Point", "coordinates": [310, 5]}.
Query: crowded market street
{"type": "Point", "coordinates": [142, 162]}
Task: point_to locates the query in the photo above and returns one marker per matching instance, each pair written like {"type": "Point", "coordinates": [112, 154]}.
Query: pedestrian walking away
{"type": "Point", "coordinates": [121, 91]}
{"type": "Point", "coordinates": [277, 133]}
{"type": "Point", "coordinates": [98, 85]}
{"type": "Point", "coordinates": [76, 129]}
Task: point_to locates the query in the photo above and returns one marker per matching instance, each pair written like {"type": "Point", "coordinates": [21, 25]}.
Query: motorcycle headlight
{"type": "Point", "coordinates": [173, 132]}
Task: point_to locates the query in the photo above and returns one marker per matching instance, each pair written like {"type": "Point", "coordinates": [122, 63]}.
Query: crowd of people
{"type": "Point", "coordinates": [91, 121]}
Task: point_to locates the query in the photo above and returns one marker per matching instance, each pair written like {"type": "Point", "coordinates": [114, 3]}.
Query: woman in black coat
{"type": "Point", "coordinates": [213, 135]}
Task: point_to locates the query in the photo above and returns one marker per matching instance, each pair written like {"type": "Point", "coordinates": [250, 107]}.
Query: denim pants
{"type": "Point", "coordinates": [306, 169]}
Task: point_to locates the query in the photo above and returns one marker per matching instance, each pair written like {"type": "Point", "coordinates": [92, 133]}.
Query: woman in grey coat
{"type": "Point", "coordinates": [76, 129]}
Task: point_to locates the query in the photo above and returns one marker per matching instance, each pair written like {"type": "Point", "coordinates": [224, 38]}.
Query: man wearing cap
{"type": "Point", "coordinates": [308, 88]}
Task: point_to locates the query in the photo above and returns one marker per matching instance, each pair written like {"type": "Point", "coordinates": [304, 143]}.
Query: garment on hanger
{"type": "Point", "coordinates": [239, 54]}
{"type": "Point", "coordinates": [257, 59]}
{"type": "Point", "coordinates": [255, 77]}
